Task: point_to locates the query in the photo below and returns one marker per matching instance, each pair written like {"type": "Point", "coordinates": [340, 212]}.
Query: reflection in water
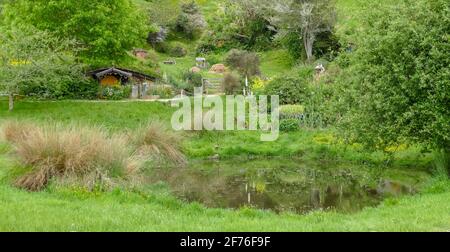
{"type": "Point", "coordinates": [279, 186]}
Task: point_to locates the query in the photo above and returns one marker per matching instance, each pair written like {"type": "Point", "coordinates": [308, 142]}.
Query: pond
{"type": "Point", "coordinates": [289, 185]}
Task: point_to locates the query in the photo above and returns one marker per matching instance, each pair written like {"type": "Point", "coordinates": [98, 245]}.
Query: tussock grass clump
{"type": "Point", "coordinates": [442, 163]}
{"type": "Point", "coordinates": [157, 140]}
{"type": "Point", "coordinates": [56, 152]}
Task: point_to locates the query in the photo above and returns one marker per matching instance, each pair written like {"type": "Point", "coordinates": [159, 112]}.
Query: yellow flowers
{"type": "Point", "coordinates": [258, 85]}
{"type": "Point", "coordinates": [324, 139]}
{"type": "Point", "coordinates": [19, 62]}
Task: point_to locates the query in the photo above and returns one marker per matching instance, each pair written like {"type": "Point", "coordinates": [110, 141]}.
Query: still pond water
{"type": "Point", "coordinates": [290, 185]}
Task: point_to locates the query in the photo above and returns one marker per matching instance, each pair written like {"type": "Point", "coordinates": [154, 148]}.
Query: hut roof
{"type": "Point", "coordinates": [99, 73]}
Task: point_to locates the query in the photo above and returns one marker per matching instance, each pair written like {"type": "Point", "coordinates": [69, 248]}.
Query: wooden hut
{"type": "Point", "coordinates": [113, 76]}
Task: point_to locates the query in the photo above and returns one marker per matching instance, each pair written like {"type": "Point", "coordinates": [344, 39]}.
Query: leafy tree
{"type": "Point", "coordinates": [400, 76]}
{"type": "Point", "coordinates": [32, 57]}
{"type": "Point", "coordinates": [246, 63]}
{"type": "Point", "coordinates": [306, 18]}
{"type": "Point", "coordinates": [238, 24]}
{"type": "Point", "coordinates": [106, 28]}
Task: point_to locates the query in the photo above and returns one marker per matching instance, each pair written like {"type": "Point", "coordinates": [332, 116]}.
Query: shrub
{"type": "Point", "coordinates": [231, 83]}
{"type": "Point", "coordinates": [157, 37]}
{"type": "Point", "coordinates": [157, 140]}
{"type": "Point", "coordinates": [213, 59]}
{"type": "Point", "coordinates": [55, 153]}
{"type": "Point", "coordinates": [164, 92]}
{"type": "Point", "coordinates": [292, 90]}
{"type": "Point", "coordinates": [115, 92]}
{"type": "Point", "coordinates": [177, 50]}
{"type": "Point", "coordinates": [162, 47]}
{"type": "Point", "coordinates": [190, 22]}
{"type": "Point", "coordinates": [258, 86]}
{"type": "Point", "coordinates": [192, 80]}
{"type": "Point", "coordinates": [292, 112]}
{"type": "Point", "coordinates": [289, 125]}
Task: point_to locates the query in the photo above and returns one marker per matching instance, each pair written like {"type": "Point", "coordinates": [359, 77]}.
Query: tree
{"type": "Point", "coordinates": [246, 63]}
{"type": "Point", "coordinates": [106, 28]}
{"type": "Point", "coordinates": [190, 22]}
{"type": "Point", "coordinates": [29, 56]}
{"type": "Point", "coordinates": [307, 18]}
{"type": "Point", "coordinates": [400, 76]}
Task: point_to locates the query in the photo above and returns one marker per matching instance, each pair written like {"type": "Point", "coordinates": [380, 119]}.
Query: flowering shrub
{"type": "Point", "coordinates": [258, 86]}
{"type": "Point", "coordinates": [115, 92]}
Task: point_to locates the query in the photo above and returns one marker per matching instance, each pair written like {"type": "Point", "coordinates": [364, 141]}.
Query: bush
{"type": "Point", "coordinates": [76, 88]}
{"type": "Point", "coordinates": [177, 50]}
{"type": "Point", "coordinates": [231, 83]}
{"type": "Point", "coordinates": [292, 112]}
{"type": "Point", "coordinates": [213, 59]}
{"type": "Point", "coordinates": [56, 153]}
{"type": "Point", "coordinates": [289, 125]}
{"type": "Point", "coordinates": [292, 90]}
{"type": "Point", "coordinates": [162, 47]}
{"type": "Point", "coordinates": [399, 76]}
{"type": "Point", "coordinates": [193, 80]}
{"type": "Point", "coordinates": [258, 86]}
{"type": "Point", "coordinates": [115, 92]}
{"type": "Point", "coordinates": [164, 92]}
{"type": "Point", "coordinates": [190, 22]}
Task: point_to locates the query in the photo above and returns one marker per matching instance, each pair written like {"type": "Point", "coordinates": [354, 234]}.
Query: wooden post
{"type": "Point", "coordinates": [11, 102]}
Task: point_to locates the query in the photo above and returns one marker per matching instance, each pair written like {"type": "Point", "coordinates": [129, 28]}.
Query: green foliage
{"type": "Point", "coordinates": [238, 24]}
{"type": "Point", "coordinates": [177, 50]}
{"type": "Point", "coordinates": [246, 63]}
{"type": "Point", "coordinates": [35, 63]}
{"type": "Point", "coordinates": [83, 88]}
{"type": "Point", "coordinates": [115, 92]}
{"type": "Point", "coordinates": [292, 89]}
{"type": "Point", "coordinates": [292, 111]}
{"type": "Point", "coordinates": [231, 83]}
{"type": "Point", "coordinates": [164, 92]}
{"type": "Point", "coordinates": [306, 19]}
{"type": "Point", "coordinates": [289, 125]}
{"type": "Point", "coordinates": [105, 28]}
{"type": "Point", "coordinates": [193, 80]}
{"type": "Point", "coordinates": [399, 75]}
{"type": "Point", "coordinates": [326, 45]}
{"type": "Point", "coordinates": [190, 21]}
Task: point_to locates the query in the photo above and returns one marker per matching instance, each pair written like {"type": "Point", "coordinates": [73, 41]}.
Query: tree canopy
{"type": "Point", "coordinates": [29, 57]}
{"type": "Point", "coordinates": [105, 28]}
{"type": "Point", "coordinates": [400, 83]}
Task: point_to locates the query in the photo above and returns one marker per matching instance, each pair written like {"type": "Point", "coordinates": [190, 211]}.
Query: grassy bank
{"type": "Point", "coordinates": [128, 116]}
{"type": "Point", "coordinates": [125, 211]}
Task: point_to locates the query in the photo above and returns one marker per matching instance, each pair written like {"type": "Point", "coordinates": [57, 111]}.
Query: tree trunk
{"type": "Point", "coordinates": [11, 102]}
{"type": "Point", "coordinates": [308, 40]}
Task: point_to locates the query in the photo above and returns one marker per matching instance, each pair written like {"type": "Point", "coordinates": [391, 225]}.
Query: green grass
{"type": "Point", "coordinates": [129, 115]}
